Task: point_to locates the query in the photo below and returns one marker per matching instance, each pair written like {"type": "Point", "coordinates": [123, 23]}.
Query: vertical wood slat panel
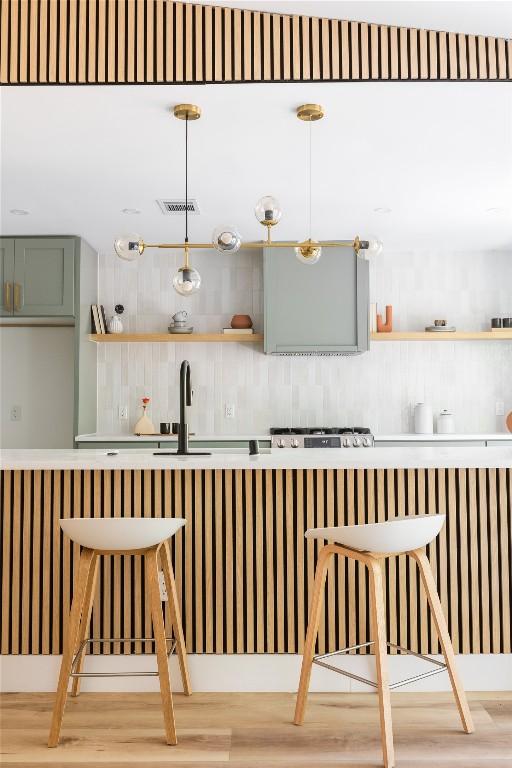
{"type": "Point", "coordinates": [414, 54]}
{"type": "Point", "coordinates": [286, 74]}
{"type": "Point", "coordinates": [4, 48]}
{"type": "Point", "coordinates": [188, 43]}
{"type": "Point", "coordinates": [345, 53]}
{"type": "Point", "coordinates": [46, 565]}
{"type": "Point", "coordinates": [25, 558]}
{"type": "Point", "coordinates": [505, 537]}
{"type": "Point", "coordinates": [443, 56]}
{"type": "Point", "coordinates": [239, 591]}
{"type": "Point", "coordinates": [404, 62]}
{"type": "Point", "coordinates": [393, 42]}
{"type": "Point", "coordinates": [264, 599]}
{"type": "Point", "coordinates": [335, 49]}
{"type": "Point", "coordinates": [8, 510]}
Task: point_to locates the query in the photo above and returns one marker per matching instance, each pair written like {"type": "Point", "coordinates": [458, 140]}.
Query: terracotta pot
{"type": "Point", "coordinates": [241, 321]}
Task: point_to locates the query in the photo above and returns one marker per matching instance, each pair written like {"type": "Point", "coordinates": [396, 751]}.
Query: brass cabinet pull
{"type": "Point", "coordinates": [7, 297]}
{"type": "Point", "coordinates": [18, 297]}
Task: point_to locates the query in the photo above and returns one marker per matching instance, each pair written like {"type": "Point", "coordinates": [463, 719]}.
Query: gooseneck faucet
{"type": "Point", "coordinates": [185, 399]}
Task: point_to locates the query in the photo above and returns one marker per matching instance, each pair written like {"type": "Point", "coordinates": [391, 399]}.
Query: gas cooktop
{"type": "Point", "coordinates": [321, 437]}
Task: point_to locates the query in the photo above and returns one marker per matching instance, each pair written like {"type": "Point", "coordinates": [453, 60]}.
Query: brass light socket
{"type": "Point", "coordinates": [310, 112]}
{"type": "Point", "coordinates": [187, 111]}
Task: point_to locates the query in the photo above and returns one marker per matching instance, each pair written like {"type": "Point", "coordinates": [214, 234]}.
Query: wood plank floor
{"type": "Point", "coordinates": [255, 731]}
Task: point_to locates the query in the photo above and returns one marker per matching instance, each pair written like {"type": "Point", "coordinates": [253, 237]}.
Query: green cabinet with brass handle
{"type": "Point", "coordinates": [37, 275]}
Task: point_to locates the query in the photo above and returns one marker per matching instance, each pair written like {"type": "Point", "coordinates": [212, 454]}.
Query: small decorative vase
{"type": "Point", "coordinates": [241, 321]}
{"type": "Point", "coordinates": [385, 327]}
{"type": "Point", "coordinates": [144, 426]}
{"type": "Point", "coordinates": [114, 324]}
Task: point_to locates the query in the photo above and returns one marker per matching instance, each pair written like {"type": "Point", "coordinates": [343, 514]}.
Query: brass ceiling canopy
{"type": "Point", "coordinates": [187, 112]}
{"type": "Point", "coordinates": [310, 112]}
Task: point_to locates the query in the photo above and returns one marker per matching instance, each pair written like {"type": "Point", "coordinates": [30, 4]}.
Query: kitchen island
{"type": "Point", "coordinates": [244, 570]}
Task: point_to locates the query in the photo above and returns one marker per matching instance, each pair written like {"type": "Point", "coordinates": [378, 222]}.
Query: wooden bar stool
{"type": "Point", "coordinates": [146, 537]}
{"type": "Point", "coordinates": [370, 544]}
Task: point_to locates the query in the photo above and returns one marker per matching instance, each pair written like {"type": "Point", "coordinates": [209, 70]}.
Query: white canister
{"type": "Point", "coordinates": [446, 423]}
{"type": "Point", "coordinates": [423, 419]}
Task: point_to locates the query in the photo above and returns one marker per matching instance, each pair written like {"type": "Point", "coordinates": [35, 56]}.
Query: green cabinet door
{"type": "Point", "coordinates": [6, 275]}
{"type": "Point", "coordinates": [43, 277]}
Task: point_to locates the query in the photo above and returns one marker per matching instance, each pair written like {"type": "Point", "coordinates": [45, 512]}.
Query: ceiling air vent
{"type": "Point", "coordinates": [177, 207]}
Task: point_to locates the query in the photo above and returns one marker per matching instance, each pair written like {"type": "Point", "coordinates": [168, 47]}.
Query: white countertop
{"type": "Point", "coordinates": [100, 438]}
{"type": "Point", "coordinates": [455, 437]}
{"type": "Point", "coordinates": [331, 458]}
{"type": "Point", "coordinates": [96, 437]}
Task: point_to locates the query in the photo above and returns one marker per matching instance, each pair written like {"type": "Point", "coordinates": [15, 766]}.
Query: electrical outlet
{"type": "Point", "coordinates": [16, 413]}
{"type": "Point", "coordinates": [500, 408]}
{"type": "Point", "coordinates": [123, 412]}
{"type": "Point", "coordinates": [229, 411]}
{"type": "Point", "coordinates": [163, 588]}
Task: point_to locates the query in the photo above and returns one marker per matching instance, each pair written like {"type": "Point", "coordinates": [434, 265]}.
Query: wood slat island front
{"type": "Point", "coordinates": [244, 570]}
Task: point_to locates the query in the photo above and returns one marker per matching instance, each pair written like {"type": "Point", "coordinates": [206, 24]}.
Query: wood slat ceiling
{"type": "Point", "coordinates": [157, 41]}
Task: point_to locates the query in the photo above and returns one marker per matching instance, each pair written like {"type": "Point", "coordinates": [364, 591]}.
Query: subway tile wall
{"type": "Point", "coordinates": [376, 389]}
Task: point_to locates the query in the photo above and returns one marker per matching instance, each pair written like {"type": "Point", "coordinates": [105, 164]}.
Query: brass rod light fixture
{"type": "Point", "coordinates": [227, 239]}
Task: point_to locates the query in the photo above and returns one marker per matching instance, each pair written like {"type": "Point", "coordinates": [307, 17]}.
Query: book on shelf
{"type": "Point", "coordinates": [103, 319]}
{"type": "Point", "coordinates": [246, 331]}
{"type": "Point", "coordinates": [98, 321]}
{"type": "Point", "coordinates": [95, 319]}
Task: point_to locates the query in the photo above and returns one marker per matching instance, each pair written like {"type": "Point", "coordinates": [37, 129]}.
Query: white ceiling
{"type": "Point", "coordinates": [437, 154]}
{"type": "Point", "coordinates": [483, 17]}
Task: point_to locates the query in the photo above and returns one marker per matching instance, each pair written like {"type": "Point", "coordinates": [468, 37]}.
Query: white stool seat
{"type": "Point", "coordinates": [401, 534]}
{"type": "Point", "coordinates": [121, 533]}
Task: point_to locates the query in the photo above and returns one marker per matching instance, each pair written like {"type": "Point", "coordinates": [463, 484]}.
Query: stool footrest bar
{"type": "Point", "coordinates": [90, 640]}
{"type": "Point", "coordinates": [319, 660]}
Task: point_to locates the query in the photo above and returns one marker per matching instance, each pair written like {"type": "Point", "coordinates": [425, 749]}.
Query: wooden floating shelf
{"type": "Point", "coordinates": [176, 338]}
{"type": "Point", "coordinates": [503, 335]}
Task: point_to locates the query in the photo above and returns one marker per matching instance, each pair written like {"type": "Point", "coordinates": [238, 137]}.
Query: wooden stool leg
{"type": "Point", "coordinates": [174, 609]}
{"type": "Point", "coordinates": [429, 584]}
{"type": "Point", "coordinates": [86, 620]}
{"type": "Point", "coordinates": [379, 639]}
{"type": "Point", "coordinates": [151, 565]}
{"type": "Point", "coordinates": [70, 644]}
{"type": "Point", "coordinates": [309, 646]}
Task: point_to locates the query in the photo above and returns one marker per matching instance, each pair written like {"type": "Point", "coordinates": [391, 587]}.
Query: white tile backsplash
{"type": "Point", "coordinates": [377, 389]}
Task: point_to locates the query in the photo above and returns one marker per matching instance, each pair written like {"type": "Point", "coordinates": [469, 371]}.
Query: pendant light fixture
{"type": "Point", "coordinates": [310, 250]}
{"type": "Point", "coordinates": [187, 280]}
{"type": "Point", "coordinates": [227, 238]}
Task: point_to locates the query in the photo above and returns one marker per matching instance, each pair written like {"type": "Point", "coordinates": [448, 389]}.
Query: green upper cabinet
{"type": "Point", "coordinates": [43, 277]}
{"type": "Point", "coordinates": [6, 275]}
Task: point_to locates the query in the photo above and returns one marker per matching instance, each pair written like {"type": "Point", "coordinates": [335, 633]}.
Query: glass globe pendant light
{"type": "Point", "coordinates": [187, 280]}
{"type": "Point", "coordinates": [268, 212]}
{"type": "Point", "coordinates": [310, 250]}
{"type": "Point", "coordinates": [129, 247]}
{"type": "Point", "coordinates": [226, 239]}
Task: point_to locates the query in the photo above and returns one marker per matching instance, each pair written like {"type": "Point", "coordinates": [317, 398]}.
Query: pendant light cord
{"type": "Point", "coordinates": [186, 179]}
{"type": "Point", "coordinates": [310, 175]}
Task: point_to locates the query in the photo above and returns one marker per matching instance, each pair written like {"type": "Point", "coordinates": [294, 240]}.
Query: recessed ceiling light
{"type": "Point", "coordinates": [19, 212]}
{"type": "Point", "coordinates": [382, 210]}
{"type": "Point", "coordinates": [497, 209]}
{"type": "Point", "coordinates": [130, 210]}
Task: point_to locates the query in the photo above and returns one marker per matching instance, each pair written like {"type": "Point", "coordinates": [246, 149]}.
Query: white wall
{"type": "Point", "coordinates": [36, 373]}
{"type": "Point", "coordinates": [376, 389]}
